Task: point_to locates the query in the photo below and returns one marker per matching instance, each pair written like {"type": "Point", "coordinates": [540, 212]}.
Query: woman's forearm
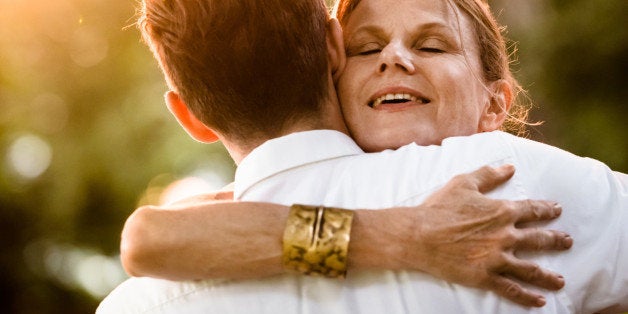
{"type": "Point", "coordinates": [235, 240]}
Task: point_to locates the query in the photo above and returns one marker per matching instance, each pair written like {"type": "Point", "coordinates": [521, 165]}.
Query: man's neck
{"type": "Point", "coordinates": [329, 118]}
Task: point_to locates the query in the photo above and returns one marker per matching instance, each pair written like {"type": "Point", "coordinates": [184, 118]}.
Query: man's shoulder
{"type": "Point", "coordinates": [486, 148]}
{"type": "Point", "coordinates": [484, 141]}
{"type": "Point", "coordinates": [480, 142]}
{"type": "Point", "coordinates": [407, 174]}
{"type": "Point", "coordinates": [455, 154]}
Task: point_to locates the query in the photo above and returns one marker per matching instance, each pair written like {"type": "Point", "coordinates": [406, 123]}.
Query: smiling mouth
{"type": "Point", "coordinates": [397, 99]}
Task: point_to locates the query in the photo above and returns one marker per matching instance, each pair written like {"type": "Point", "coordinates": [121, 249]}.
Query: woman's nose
{"type": "Point", "coordinates": [396, 56]}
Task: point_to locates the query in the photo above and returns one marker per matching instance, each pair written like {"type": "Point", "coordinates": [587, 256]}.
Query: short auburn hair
{"type": "Point", "coordinates": [494, 57]}
{"type": "Point", "coordinates": [246, 68]}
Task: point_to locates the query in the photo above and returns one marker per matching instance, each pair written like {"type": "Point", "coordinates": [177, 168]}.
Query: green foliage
{"type": "Point", "coordinates": [81, 102]}
{"type": "Point", "coordinates": [574, 61]}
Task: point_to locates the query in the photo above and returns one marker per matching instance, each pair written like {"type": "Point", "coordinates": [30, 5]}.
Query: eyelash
{"type": "Point", "coordinates": [424, 49]}
{"type": "Point", "coordinates": [378, 50]}
{"type": "Point", "coordinates": [431, 50]}
{"type": "Point", "coordinates": [369, 52]}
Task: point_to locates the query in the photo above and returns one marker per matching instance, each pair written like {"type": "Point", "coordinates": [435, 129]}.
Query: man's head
{"type": "Point", "coordinates": [246, 69]}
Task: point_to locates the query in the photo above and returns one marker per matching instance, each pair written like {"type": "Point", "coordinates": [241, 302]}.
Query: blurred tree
{"type": "Point", "coordinates": [84, 134]}
{"type": "Point", "coordinates": [573, 58]}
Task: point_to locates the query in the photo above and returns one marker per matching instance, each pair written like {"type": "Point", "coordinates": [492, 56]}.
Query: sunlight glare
{"type": "Point", "coordinates": [183, 189]}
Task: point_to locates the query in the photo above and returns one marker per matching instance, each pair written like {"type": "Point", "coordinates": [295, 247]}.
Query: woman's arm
{"type": "Point", "coordinates": [209, 239]}
{"type": "Point", "coordinates": [448, 236]}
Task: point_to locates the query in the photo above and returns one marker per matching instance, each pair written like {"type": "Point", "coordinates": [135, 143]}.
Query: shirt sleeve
{"type": "Point", "coordinates": [595, 213]}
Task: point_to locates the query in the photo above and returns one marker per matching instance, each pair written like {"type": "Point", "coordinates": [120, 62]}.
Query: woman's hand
{"type": "Point", "coordinates": [463, 237]}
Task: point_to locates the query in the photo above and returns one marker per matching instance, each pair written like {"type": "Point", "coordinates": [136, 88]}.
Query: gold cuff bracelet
{"type": "Point", "coordinates": [316, 240]}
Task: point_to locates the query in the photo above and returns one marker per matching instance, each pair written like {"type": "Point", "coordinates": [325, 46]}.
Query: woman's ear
{"type": "Point", "coordinates": [335, 48]}
{"type": "Point", "coordinates": [194, 127]}
{"type": "Point", "coordinates": [496, 111]}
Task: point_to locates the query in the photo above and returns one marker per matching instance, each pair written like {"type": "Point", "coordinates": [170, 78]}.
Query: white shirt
{"type": "Point", "coordinates": [326, 167]}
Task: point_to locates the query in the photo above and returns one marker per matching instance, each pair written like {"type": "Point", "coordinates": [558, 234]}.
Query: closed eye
{"type": "Point", "coordinates": [433, 45]}
{"type": "Point", "coordinates": [365, 48]}
{"type": "Point", "coordinates": [369, 52]}
{"type": "Point", "coordinates": [431, 50]}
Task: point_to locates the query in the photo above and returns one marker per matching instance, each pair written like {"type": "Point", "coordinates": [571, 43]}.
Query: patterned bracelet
{"type": "Point", "coordinates": [316, 240]}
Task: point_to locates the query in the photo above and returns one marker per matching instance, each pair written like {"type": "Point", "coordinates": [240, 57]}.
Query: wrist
{"type": "Point", "coordinates": [379, 240]}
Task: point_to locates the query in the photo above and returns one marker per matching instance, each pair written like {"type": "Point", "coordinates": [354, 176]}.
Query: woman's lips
{"type": "Point", "coordinates": [395, 96]}
{"type": "Point", "coordinates": [399, 98]}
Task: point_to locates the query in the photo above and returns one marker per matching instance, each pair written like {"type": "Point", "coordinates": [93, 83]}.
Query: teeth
{"type": "Point", "coordinates": [386, 97]}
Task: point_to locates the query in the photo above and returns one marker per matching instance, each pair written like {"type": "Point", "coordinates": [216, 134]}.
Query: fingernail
{"type": "Point", "coordinates": [504, 168]}
{"type": "Point", "coordinates": [540, 301]}
{"type": "Point", "coordinates": [567, 241]}
{"type": "Point", "coordinates": [508, 167]}
{"type": "Point", "coordinates": [557, 209]}
{"type": "Point", "coordinates": [561, 281]}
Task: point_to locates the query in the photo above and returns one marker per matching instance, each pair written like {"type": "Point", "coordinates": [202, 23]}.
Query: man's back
{"type": "Point", "coordinates": [324, 167]}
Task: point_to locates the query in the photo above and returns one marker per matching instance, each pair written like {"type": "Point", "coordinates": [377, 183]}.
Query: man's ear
{"type": "Point", "coordinates": [335, 48]}
{"type": "Point", "coordinates": [194, 127]}
{"type": "Point", "coordinates": [496, 111]}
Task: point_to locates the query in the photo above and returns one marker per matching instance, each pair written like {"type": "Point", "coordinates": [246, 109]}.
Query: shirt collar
{"type": "Point", "coordinates": [289, 151]}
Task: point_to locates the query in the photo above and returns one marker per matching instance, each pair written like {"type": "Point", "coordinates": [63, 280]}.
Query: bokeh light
{"type": "Point", "coordinates": [29, 156]}
{"type": "Point", "coordinates": [75, 267]}
{"type": "Point", "coordinates": [89, 47]}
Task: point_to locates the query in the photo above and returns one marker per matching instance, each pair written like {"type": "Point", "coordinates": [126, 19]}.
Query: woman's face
{"type": "Point", "coordinates": [413, 74]}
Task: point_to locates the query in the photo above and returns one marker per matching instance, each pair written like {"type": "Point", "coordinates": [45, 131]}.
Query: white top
{"type": "Point", "coordinates": [326, 167]}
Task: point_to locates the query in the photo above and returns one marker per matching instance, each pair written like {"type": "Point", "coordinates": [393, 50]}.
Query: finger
{"type": "Point", "coordinates": [487, 178]}
{"type": "Point", "coordinates": [531, 210]}
{"type": "Point", "coordinates": [512, 291]}
{"type": "Point", "coordinates": [532, 273]}
{"type": "Point", "coordinates": [536, 239]}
